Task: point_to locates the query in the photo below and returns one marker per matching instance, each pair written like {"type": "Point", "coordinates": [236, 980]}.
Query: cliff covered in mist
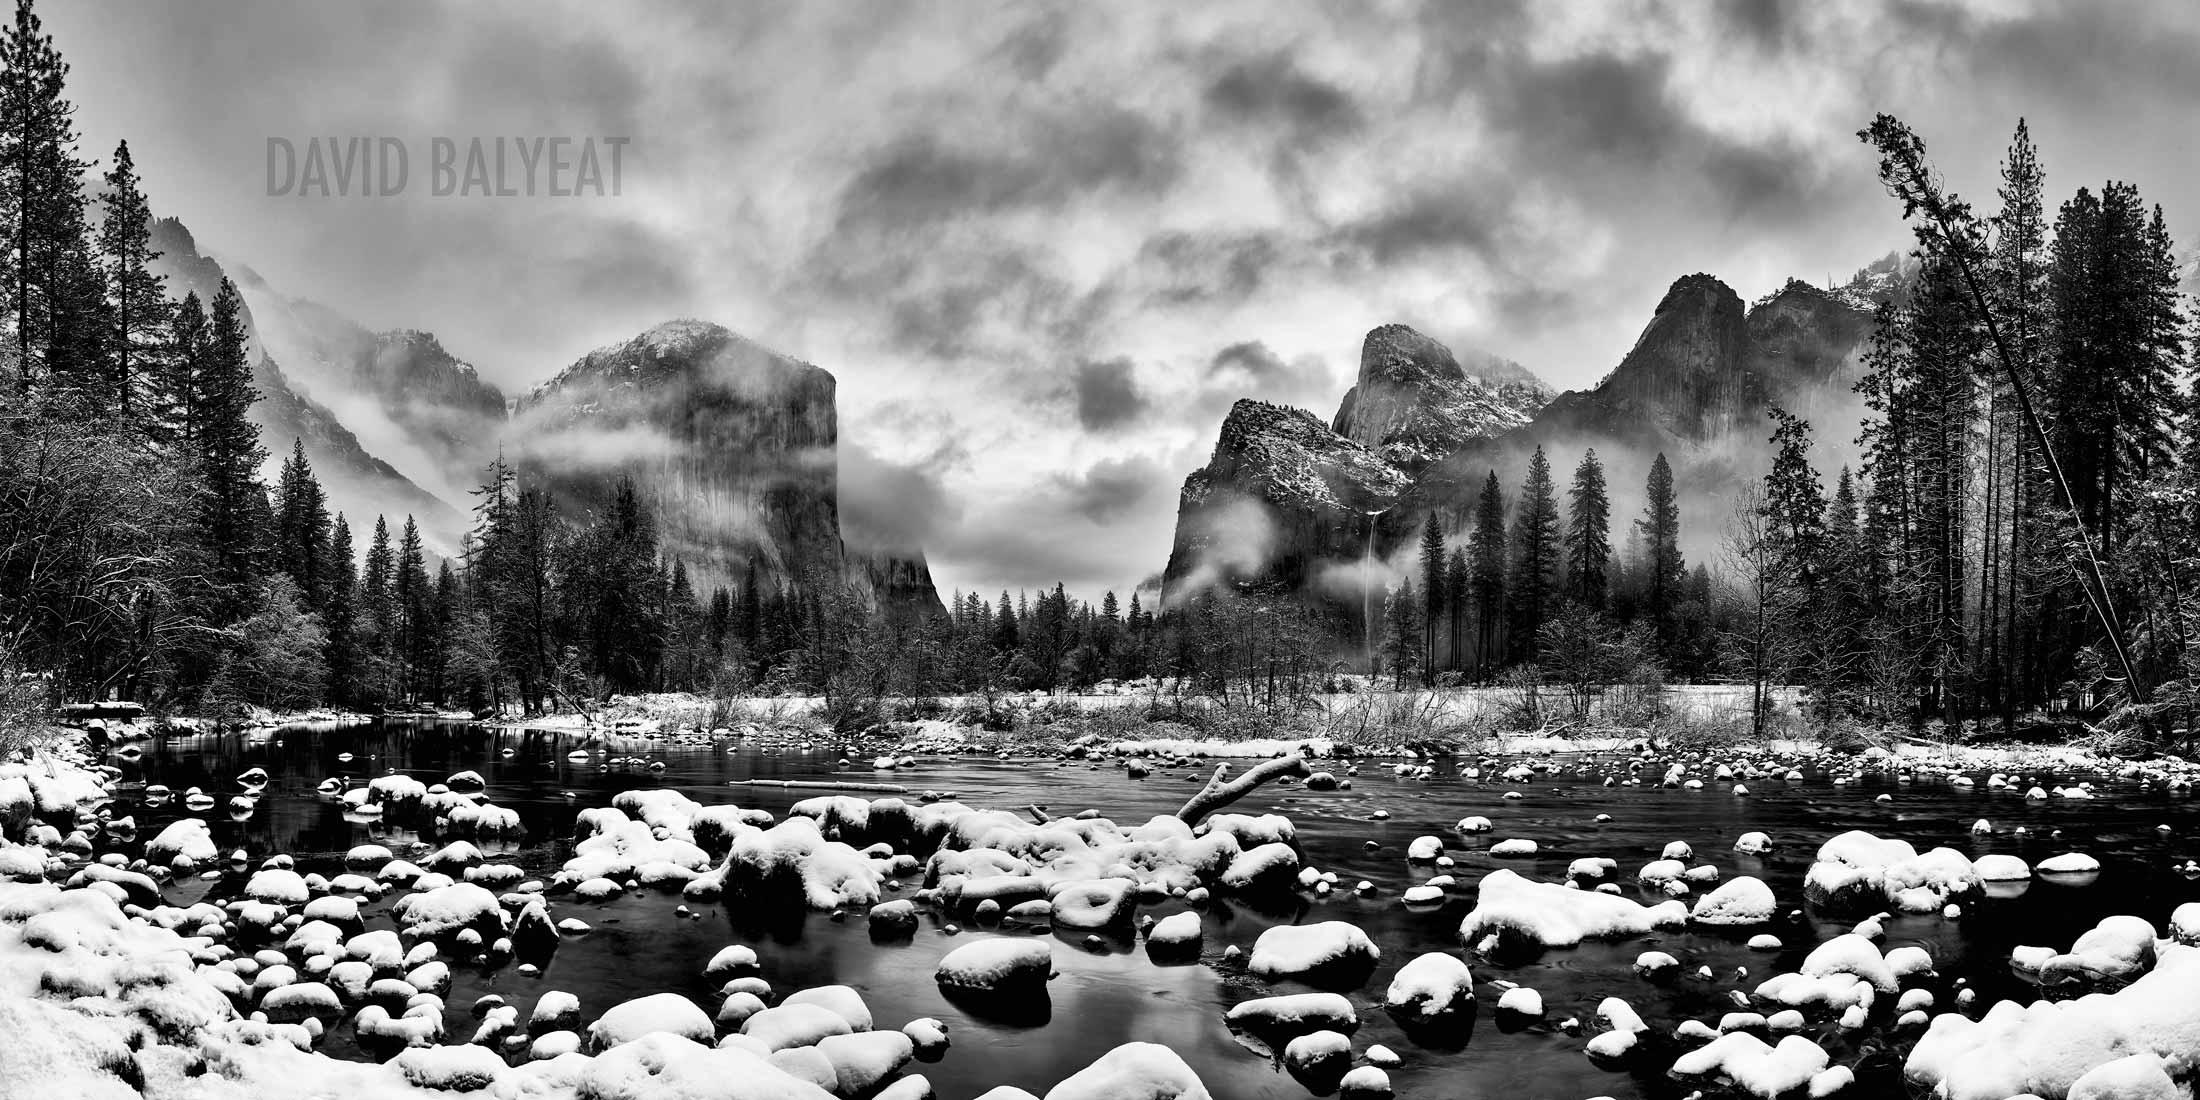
{"type": "Point", "coordinates": [1696, 386]}
{"type": "Point", "coordinates": [734, 449]}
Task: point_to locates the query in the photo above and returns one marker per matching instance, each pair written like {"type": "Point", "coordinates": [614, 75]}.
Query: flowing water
{"type": "Point", "coordinates": [1115, 994]}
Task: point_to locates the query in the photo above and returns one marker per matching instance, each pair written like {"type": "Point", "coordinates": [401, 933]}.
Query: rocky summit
{"type": "Point", "coordinates": [1284, 494]}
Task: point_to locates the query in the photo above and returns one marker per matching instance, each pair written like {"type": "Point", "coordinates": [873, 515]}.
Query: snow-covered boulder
{"type": "Point", "coordinates": [2069, 863]}
{"type": "Point", "coordinates": [1513, 910]}
{"type": "Point", "coordinates": [1329, 953]}
{"type": "Point", "coordinates": [862, 1061]}
{"type": "Point", "coordinates": [1432, 986]}
{"type": "Point", "coordinates": [2111, 953]}
{"type": "Point", "coordinates": [997, 965]}
{"type": "Point", "coordinates": [1319, 1059]}
{"type": "Point", "coordinates": [669, 1013]}
{"type": "Point", "coordinates": [785, 1027]}
{"type": "Point", "coordinates": [1176, 936]}
{"type": "Point", "coordinates": [1133, 1071]}
{"type": "Point", "coordinates": [1853, 955]}
{"type": "Point", "coordinates": [1093, 904]}
{"type": "Point", "coordinates": [1737, 901]}
{"type": "Point", "coordinates": [448, 910]}
{"type": "Point", "coordinates": [1278, 1019]}
{"type": "Point", "coordinates": [449, 1068]}
{"type": "Point", "coordinates": [1753, 1067]}
{"type": "Point", "coordinates": [1858, 869]}
{"type": "Point", "coordinates": [793, 862]}
{"type": "Point", "coordinates": [185, 842]}
{"type": "Point", "coordinates": [2047, 1047]}
{"type": "Point", "coordinates": [1266, 867]}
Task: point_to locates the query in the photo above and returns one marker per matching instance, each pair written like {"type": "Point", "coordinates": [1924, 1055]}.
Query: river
{"type": "Point", "coordinates": [1113, 993]}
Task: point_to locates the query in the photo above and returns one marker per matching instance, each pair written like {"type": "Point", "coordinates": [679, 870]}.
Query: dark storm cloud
{"type": "Point", "coordinates": [1612, 119]}
{"type": "Point", "coordinates": [1181, 267]}
{"type": "Point", "coordinates": [1252, 357]}
{"type": "Point", "coordinates": [1032, 49]}
{"type": "Point", "coordinates": [1273, 89]}
{"type": "Point", "coordinates": [1107, 394]}
{"type": "Point", "coordinates": [2079, 52]}
{"type": "Point", "coordinates": [933, 177]}
{"type": "Point", "coordinates": [1442, 216]}
{"type": "Point", "coordinates": [1768, 23]}
{"type": "Point", "coordinates": [1112, 487]}
{"type": "Point", "coordinates": [1251, 368]}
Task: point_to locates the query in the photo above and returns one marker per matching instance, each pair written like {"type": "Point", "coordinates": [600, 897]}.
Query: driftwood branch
{"type": "Point", "coordinates": [1039, 815]}
{"type": "Point", "coordinates": [1221, 790]}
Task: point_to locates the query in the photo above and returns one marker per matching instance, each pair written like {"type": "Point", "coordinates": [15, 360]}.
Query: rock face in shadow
{"type": "Point", "coordinates": [732, 445]}
{"type": "Point", "coordinates": [1282, 494]}
{"type": "Point", "coordinates": [1282, 507]}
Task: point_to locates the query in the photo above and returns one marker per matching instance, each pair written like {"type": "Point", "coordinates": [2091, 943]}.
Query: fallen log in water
{"type": "Point", "coordinates": [876, 788]}
{"type": "Point", "coordinates": [1221, 790]}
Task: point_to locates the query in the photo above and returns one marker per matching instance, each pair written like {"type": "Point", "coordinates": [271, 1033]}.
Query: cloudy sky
{"type": "Point", "coordinates": [1044, 246]}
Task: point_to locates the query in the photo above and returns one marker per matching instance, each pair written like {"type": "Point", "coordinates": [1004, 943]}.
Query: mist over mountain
{"type": "Point", "coordinates": [427, 413]}
{"type": "Point", "coordinates": [733, 446]}
{"type": "Point", "coordinates": [359, 483]}
{"type": "Point", "coordinates": [735, 449]}
{"type": "Point", "coordinates": [1287, 507]}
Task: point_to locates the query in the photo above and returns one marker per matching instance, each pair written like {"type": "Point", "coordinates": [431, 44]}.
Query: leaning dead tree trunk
{"type": "Point", "coordinates": [1221, 790]}
{"type": "Point", "coordinates": [1902, 168]}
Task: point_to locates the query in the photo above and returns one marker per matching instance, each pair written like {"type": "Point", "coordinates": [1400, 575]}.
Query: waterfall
{"type": "Point", "coordinates": [1367, 599]}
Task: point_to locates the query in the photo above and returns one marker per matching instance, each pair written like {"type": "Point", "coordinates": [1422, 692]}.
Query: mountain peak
{"type": "Point", "coordinates": [679, 352]}
{"type": "Point", "coordinates": [1414, 403]}
{"type": "Point", "coordinates": [1699, 290]}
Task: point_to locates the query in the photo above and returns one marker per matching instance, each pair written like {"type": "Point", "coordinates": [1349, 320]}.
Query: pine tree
{"type": "Point", "coordinates": [1588, 534]}
{"type": "Point", "coordinates": [44, 205]}
{"type": "Point", "coordinates": [1402, 641]}
{"type": "Point", "coordinates": [446, 614]}
{"type": "Point", "coordinates": [412, 601]}
{"type": "Point", "coordinates": [2020, 490]}
{"type": "Point", "coordinates": [137, 306]}
{"type": "Point", "coordinates": [172, 413]}
{"type": "Point", "coordinates": [301, 528]}
{"type": "Point", "coordinates": [1660, 528]}
{"type": "Point", "coordinates": [1536, 559]}
{"type": "Point", "coordinates": [751, 616]}
{"type": "Point", "coordinates": [613, 586]}
{"type": "Point", "coordinates": [227, 446]}
{"type": "Point", "coordinates": [1488, 572]}
{"type": "Point", "coordinates": [378, 615]}
{"type": "Point", "coordinates": [1795, 502]}
{"type": "Point", "coordinates": [1458, 592]}
{"type": "Point", "coordinates": [1005, 627]}
{"type": "Point", "coordinates": [1432, 593]}
{"type": "Point", "coordinates": [340, 614]}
